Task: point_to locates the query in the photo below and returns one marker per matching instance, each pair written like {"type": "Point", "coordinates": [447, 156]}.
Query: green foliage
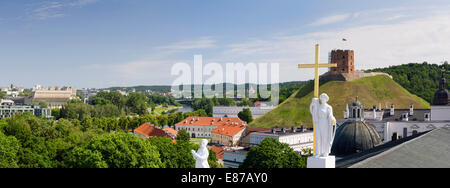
{"type": "Point", "coordinates": [419, 79]}
{"type": "Point", "coordinates": [246, 115]}
{"type": "Point", "coordinates": [43, 104]}
{"type": "Point", "coordinates": [183, 136]}
{"type": "Point", "coordinates": [80, 157]}
{"type": "Point", "coordinates": [212, 160]}
{"type": "Point", "coordinates": [56, 113]}
{"type": "Point", "coordinates": [9, 147]}
{"type": "Point", "coordinates": [119, 151]}
{"type": "Point", "coordinates": [371, 91]}
{"type": "Point", "coordinates": [273, 154]}
{"type": "Point", "coordinates": [113, 97]}
{"type": "Point", "coordinates": [137, 103]}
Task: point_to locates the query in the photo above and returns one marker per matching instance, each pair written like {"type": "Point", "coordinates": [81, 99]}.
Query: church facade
{"type": "Point", "coordinates": [392, 124]}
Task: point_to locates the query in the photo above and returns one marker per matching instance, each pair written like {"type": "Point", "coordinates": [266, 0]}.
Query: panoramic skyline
{"type": "Point", "coordinates": [99, 43]}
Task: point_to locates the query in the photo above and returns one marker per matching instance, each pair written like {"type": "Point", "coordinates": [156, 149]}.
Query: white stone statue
{"type": "Point", "coordinates": [325, 125]}
{"type": "Point", "coordinates": [201, 156]}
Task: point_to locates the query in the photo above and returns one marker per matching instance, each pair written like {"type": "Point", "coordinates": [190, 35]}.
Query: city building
{"type": "Point", "coordinates": [201, 127]}
{"type": "Point", "coordinates": [245, 140]}
{"type": "Point", "coordinates": [55, 97]}
{"type": "Point", "coordinates": [234, 157]}
{"type": "Point", "coordinates": [148, 130]}
{"type": "Point", "coordinates": [379, 126]}
{"type": "Point", "coordinates": [9, 109]}
{"type": "Point", "coordinates": [297, 138]}
{"type": "Point", "coordinates": [233, 111]}
{"type": "Point", "coordinates": [228, 134]}
{"type": "Point", "coordinates": [219, 153]}
{"type": "Point", "coordinates": [171, 132]}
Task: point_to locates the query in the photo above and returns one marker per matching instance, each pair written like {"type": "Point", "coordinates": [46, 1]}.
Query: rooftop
{"type": "Point", "coordinates": [283, 132]}
{"type": "Point", "coordinates": [148, 130]}
{"type": "Point", "coordinates": [229, 129]}
{"type": "Point", "coordinates": [210, 121]}
{"type": "Point", "coordinates": [171, 131]}
{"type": "Point", "coordinates": [426, 150]}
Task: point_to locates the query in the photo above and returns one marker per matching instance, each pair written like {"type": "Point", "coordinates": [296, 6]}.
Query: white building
{"type": "Point", "coordinates": [233, 158]}
{"type": "Point", "coordinates": [233, 111]}
{"type": "Point", "coordinates": [201, 127]}
{"type": "Point", "coordinates": [298, 139]}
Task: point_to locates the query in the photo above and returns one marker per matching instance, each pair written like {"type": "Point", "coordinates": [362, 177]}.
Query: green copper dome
{"type": "Point", "coordinates": [354, 137]}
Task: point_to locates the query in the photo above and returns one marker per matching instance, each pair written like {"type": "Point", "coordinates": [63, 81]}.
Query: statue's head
{"type": "Point", "coordinates": [324, 98]}
{"type": "Point", "coordinates": [204, 143]}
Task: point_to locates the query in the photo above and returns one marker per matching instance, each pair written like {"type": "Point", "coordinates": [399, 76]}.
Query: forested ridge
{"type": "Point", "coordinates": [421, 79]}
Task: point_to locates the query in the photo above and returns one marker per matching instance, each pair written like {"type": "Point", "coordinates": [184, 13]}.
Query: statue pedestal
{"type": "Point", "coordinates": [321, 162]}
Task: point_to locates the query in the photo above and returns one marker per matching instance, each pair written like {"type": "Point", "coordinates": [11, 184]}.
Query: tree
{"type": "Point", "coordinates": [43, 104]}
{"type": "Point", "coordinates": [137, 103]}
{"type": "Point", "coordinates": [56, 113]}
{"type": "Point", "coordinates": [272, 154]}
{"type": "Point", "coordinates": [121, 150]}
{"type": "Point", "coordinates": [183, 136]}
{"type": "Point", "coordinates": [167, 151]}
{"type": "Point", "coordinates": [9, 147]}
{"type": "Point", "coordinates": [246, 115]}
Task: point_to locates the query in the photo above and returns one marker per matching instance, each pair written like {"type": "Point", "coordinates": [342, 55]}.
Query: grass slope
{"type": "Point", "coordinates": [370, 90]}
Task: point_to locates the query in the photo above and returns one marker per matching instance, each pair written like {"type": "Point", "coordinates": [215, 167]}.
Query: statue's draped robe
{"type": "Point", "coordinates": [323, 121]}
{"type": "Point", "coordinates": [314, 107]}
{"type": "Point", "coordinates": [201, 158]}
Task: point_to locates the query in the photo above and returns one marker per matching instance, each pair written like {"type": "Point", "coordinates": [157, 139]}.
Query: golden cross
{"type": "Point", "coordinates": [316, 66]}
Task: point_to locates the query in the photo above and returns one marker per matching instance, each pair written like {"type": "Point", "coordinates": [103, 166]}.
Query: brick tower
{"type": "Point", "coordinates": [345, 61]}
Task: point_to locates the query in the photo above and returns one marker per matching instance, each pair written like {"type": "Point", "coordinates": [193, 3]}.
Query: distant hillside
{"type": "Point", "coordinates": [371, 91]}
{"type": "Point", "coordinates": [419, 79]}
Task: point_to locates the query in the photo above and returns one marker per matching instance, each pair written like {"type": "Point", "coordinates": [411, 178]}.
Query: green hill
{"type": "Point", "coordinates": [370, 90]}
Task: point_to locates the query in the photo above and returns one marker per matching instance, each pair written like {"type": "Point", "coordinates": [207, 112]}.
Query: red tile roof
{"type": "Point", "coordinates": [171, 131]}
{"type": "Point", "coordinates": [210, 121]}
{"type": "Point", "coordinates": [219, 151]}
{"type": "Point", "coordinates": [229, 129]}
{"type": "Point", "coordinates": [255, 129]}
{"type": "Point", "coordinates": [148, 130]}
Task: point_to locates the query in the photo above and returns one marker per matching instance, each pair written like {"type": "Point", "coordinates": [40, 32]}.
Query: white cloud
{"type": "Point", "coordinates": [405, 39]}
{"type": "Point", "coordinates": [54, 9]}
{"type": "Point", "coordinates": [380, 38]}
{"type": "Point", "coordinates": [201, 43]}
{"type": "Point", "coordinates": [331, 19]}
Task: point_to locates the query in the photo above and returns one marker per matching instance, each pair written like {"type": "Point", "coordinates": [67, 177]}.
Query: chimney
{"type": "Point", "coordinates": [392, 109]}
{"type": "Point", "coordinates": [405, 117]}
{"type": "Point", "coordinates": [283, 130]}
{"type": "Point", "coordinates": [294, 129]}
{"type": "Point", "coordinates": [375, 113]}
{"type": "Point", "coordinates": [380, 107]}
{"type": "Point", "coordinates": [347, 112]}
{"type": "Point", "coordinates": [303, 128]}
{"type": "Point", "coordinates": [411, 109]}
{"type": "Point", "coordinates": [274, 130]}
{"type": "Point", "coordinates": [427, 117]}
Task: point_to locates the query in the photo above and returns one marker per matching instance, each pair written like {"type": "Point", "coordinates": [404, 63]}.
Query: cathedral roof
{"type": "Point", "coordinates": [354, 137]}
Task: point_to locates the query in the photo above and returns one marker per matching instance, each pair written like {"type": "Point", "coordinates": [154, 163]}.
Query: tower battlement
{"type": "Point", "coordinates": [345, 60]}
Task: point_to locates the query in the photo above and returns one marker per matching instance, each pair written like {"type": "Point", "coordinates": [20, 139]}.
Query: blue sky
{"type": "Point", "coordinates": [103, 43]}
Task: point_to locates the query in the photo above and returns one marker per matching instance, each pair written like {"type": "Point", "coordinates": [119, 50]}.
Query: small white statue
{"type": "Point", "coordinates": [201, 156]}
{"type": "Point", "coordinates": [324, 123]}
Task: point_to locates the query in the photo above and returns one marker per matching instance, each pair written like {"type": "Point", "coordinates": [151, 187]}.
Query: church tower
{"type": "Point", "coordinates": [441, 97]}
